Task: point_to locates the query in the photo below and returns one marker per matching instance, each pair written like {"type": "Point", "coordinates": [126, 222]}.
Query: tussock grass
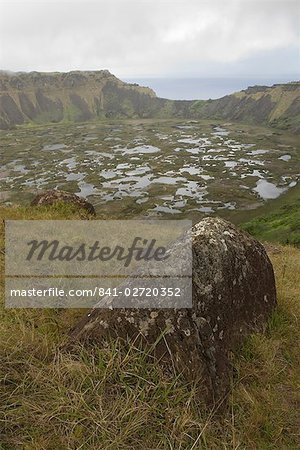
{"type": "Point", "coordinates": [112, 398]}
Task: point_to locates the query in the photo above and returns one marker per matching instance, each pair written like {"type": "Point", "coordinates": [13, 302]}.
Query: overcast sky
{"type": "Point", "coordinates": [153, 38]}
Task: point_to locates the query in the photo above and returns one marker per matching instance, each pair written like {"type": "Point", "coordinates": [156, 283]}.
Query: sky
{"type": "Point", "coordinates": [153, 38]}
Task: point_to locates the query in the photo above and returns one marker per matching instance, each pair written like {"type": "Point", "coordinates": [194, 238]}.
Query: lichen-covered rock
{"type": "Point", "coordinates": [53, 196]}
{"type": "Point", "coordinates": [233, 295]}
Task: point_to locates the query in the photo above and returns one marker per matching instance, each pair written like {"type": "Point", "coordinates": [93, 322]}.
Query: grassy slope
{"type": "Point", "coordinates": [281, 226]}
{"type": "Point", "coordinates": [112, 399]}
{"type": "Point", "coordinates": [277, 221]}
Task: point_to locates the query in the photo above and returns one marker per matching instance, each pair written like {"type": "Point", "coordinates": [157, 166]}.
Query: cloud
{"type": "Point", "coordinates": [150, 38]}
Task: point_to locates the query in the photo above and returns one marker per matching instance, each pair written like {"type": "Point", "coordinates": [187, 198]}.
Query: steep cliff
{"type": "Point", "coordinates": [74, 96]}
{"type": "Point", "coordinates": [278, 106]}
{"type": "Point", "coordinates": [82, 96]}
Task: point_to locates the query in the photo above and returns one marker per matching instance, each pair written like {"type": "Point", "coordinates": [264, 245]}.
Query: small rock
{"type": "Point", "coordinates": [53, 196]}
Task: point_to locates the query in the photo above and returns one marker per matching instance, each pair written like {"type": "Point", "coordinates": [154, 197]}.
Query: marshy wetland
{"type": "Point", "coordinates": [148, 168]}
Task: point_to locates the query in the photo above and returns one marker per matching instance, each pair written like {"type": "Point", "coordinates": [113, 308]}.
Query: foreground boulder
{"type": "Point", "coordinates": [53, 196]}
{"type": "Point", "coordinates": [233, 295]}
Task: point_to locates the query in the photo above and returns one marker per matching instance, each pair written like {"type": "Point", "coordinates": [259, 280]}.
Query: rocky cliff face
{"type": "Point", "coordinates": [82, 96]}
{"type": "Point", "coordinates": [74, 96]}
{"type": "Point", "coordinates": [278, 106]}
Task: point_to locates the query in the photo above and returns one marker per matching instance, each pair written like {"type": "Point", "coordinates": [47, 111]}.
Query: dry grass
{"type": "Point", "coordinates": [109, 398]}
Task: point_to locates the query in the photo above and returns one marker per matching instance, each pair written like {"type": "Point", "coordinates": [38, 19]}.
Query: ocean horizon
{"type": "Point", "coordinates": [204, 88]}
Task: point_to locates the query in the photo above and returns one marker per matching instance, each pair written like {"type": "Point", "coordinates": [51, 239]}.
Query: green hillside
{"type": "Point", "coordinates": [276, 221]}
{"type": "Point", "coordinates": [277, 106]}
{"type": "Point", "coordinates": [84, 96]}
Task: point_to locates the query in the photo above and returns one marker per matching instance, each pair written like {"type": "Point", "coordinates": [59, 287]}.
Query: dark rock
{"type": "Point", "coordinates": [233, 295]}
{"type": "Point", "coordinates": [53, 196]}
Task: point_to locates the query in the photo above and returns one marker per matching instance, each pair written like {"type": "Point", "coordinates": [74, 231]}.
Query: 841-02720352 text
{"type": "Point", "coordinates": [99, 291]}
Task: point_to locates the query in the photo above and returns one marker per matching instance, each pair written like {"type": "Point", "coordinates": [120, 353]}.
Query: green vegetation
{"type": "Point", "coordinates": [277, 221]}
{"type": "Point", "coordinates": [281, 226]}
{"type": "Point", "coordinates": [111, 398]}
{"type": "Point", "coordinates": [286, 123]}
{"type": "Point", "coordinates": [71, 113]}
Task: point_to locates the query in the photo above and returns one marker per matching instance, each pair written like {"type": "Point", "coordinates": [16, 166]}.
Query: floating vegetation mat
{"type": "Point", "coordinates": [150, 168]}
